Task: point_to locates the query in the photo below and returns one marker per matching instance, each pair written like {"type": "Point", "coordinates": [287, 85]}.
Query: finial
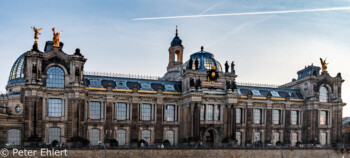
{"type": "Point", "coordinates": [36, 34]}
{"type": "Point", "coordinates": [202, 49]}
{"type": "Point", "coordinates": [176, 31]}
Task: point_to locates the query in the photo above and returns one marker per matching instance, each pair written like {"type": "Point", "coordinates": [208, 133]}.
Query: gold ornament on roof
{"type": "Point", "coordinates": [56, 38]}
{"type": "Point", "coordinates": [324, 65]}
{"type": "Point", "coordinates": [36, 34]}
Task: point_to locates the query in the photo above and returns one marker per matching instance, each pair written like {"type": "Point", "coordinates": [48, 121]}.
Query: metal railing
{"type": "Point", "coordinates": [257, 85]}
{"type": "Point", "coordinates": [107, 74]}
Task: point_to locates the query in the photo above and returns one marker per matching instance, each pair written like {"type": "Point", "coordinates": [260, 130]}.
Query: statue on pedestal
{"type": "Point", "coordinates": [36, 34]}
{"type": "Point", "coordinates": [232, 67]}
{"type": "Point", "coordinates": [324, 65]}
{"type": "Point", "coordinates": [226, 67]}
{"type": "Point", "coordinates": [190, 64]}
{"type": "Point", "coordinates": [196, 64]}
{"type": "Point", "coordinates": [56, 38]}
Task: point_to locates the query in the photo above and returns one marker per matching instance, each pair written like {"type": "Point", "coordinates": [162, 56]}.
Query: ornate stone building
{"type": "Point", "coordinates": [51, 98]}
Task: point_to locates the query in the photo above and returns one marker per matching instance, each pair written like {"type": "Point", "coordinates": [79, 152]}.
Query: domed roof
{"type": "Point", "coordinates": [176, 41]}
{"type": "Point", "coordinates": [16, 73]}
{"type": "Point", "coordinates": [206, 61]}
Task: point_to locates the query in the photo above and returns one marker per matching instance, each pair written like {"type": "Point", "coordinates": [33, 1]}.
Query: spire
{"type": "Point", "coordinates": [176, 31]}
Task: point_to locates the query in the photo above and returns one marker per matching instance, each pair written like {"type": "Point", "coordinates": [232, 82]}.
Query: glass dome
{"type": "Point", "coordinates": [16, 73]}
{"type": "Point", "coordinates": [205, 59]}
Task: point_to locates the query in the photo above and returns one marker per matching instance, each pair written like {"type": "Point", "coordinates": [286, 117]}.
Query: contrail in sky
{"type": "Point", "coordinates": [248, 13]}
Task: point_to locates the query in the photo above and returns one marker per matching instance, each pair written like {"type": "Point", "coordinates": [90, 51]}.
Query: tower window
{"type": "Point", "coordinates": [323, 94]}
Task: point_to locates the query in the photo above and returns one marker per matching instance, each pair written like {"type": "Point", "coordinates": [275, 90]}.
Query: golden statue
{"type": "Point", "coordinates": [324, 65]}
{"type": "Point", "coordinates": [56, 38]}
{"type": "Point", "coordinates": [36, 34]}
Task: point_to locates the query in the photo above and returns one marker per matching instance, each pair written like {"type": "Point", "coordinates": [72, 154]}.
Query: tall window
{"type": "Point", "coordinates": [295, 117]}
{"type": "Point", "coordinates": [55, 108]}
{"type": "Point", "coordinates": [323, 117]}
{"type": "Point", "coordinates": [238, 115]}
{"type": "Point", "coordinates": [257, 116]}
{"type": "Point", "coordinates": [94, 136]}
{"type": "Point", "coordinates": [14, 137]}
{"type": "Point", "coordinates": [146, 112]}
{"type": "Point", "coordinates": [54, 134]}
{"type": "Point", "coordinates": [323, 94]}
{"type": "Point", "coordinates": [146, 135]}
{"type": "Point", "coordinates": [55, 77]}
{"type": "Point", "coordinates": [239, 137]}
{"type": "Point", "coordinates": [294, 138]}
{"type": "Point", "coordinates": [169, 135]}
{"type": "Point", "coordinates": [120, 111]}
{"type": "Point", "coordinates": [208, 63]}
{"type": "Point", "coordinates": [257, 136]}
{"type": "Point", "coordinates": [170, 113]}
{"type": "Point", "coordinates": [275, 137]}
{"type": "Point", "coordinates": [121, 137]}
{"type": "Point", "coordinates": [276, 115]}
{"type": "Point", "coordinates": [202, 112]}
{"type": "Point", "coordinates": [323, 138]}
{"type": "Point", "coordinates": [210, 112]}
{"type": "Point", "coordinates": [217, 112]}
{"type": "Point", "coordinates": [95, 110]}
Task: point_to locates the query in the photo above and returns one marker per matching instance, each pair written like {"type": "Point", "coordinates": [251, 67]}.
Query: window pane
{"type": "Point", "coordinates": [238, 115]}
{"type": "Point", "coordinates": [210, 112]}
{"type": "Point", "coordinates": [202, 112]}
{"type": "Point", "coordinates": [257, 116]}
{"type": "Point", "coordinates": [294, 138]}
{"type": "Point", "coordinates": [55, 77]}
{"type": "Point", "coordinates": [55, 108]}
{"type": "Point", "coordinates": [94, 136]}
{"type": "Point", "coordinates": [170, 113]}
{"type": "Point", "coordinates": [323, 138]}
{"type": "Point", "coordinates": [146, 112]}
{"type": "Point", "coordinates": [169, 135]}
{"type": "Point", "coordinates": [295, 117]}
{"type": "Point", "coordinates": [217, 112]}
{"type": "Point", "coordinates": [323, 94]}
{"type": "Point", "coordinates": [121, 137]}
{"type": "Point", "coordinates": [323, 118]}
{"type": "Point", "coordinates": [54, 134]}
{"type": "Point", "coordinates": [257, 136]}
{"type": "Point", "coordinates": [14, 137]}
{"type": "Point", "coordinates": [276, 117]}
{"type": "Point", "coordinates": [95, 110]}
{"type": "Point", "coordinates": [208, 63]}
{"type": "Point", "coordinates": [275, 138]}
{"type": "Point", "coordinates": [146, 135]}
{"type": "Point", "coordinates": [120, 111]}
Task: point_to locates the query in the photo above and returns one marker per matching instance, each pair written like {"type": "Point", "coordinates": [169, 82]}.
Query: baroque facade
{"type": "Point", "coordinates": [51, 98]}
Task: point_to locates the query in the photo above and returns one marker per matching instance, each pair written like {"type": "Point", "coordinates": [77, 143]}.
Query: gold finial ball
{"type": "Point", "coordinates": [213, 67]}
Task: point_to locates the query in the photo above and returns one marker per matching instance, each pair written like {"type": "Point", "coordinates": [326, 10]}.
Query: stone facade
{"type": "Point", "coordinates": [186, 105]}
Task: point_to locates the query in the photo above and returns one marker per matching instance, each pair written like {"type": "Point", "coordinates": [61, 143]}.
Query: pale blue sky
{"type": "Point", "coordinates": [266, 48]}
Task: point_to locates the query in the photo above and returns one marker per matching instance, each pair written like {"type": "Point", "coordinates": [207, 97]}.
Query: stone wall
{"type": "Point", "coordinates": [202, 153]}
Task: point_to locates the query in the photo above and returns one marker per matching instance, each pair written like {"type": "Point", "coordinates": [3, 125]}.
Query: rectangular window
{"type": "Point", "coordinates": [276, 115]}
{"type": "Point", "coordinates": [202, 112]}
{"type": "Point", "coordinates": [170, 113]}
{"type": "Point", "coordinates": [169, 135]}
{"type": "Point", "coordinates": [257, 136]}
{"type": "Point", "coordinates": [54, 134]}
{"type": "Point", "coordinates": [120, 111]}
{"type": "Point", "coordinates": [14, 137]}
{"type": "Point", "coordinates": [295, 117]}
{"type": "Point", "coordinates": [55, 108]}
{"type": "Point", "coordinates": [238, 115]}
{"type": "Point", "coordinates": [323, 118]}
{"type": "Point", "coordinates": [121, 137]}
{"type": "Point", "coordinates": [257, 116]}
{"type": "Point", "coordinates": [94, 136]}
{"type": "Point", "coordinates": [294, 138]}
{"type": "Point", "coordinates": [217, 113]}
{"type": "Point", "coordinates": [95, 110]}
{"type": "Point", "coordinates": [210, 112]}
{"type": "Point", "coordinates": [146, 112]}
{"type": "Point", "coordinates": [146, 135]}
{"type": "Point", "coordinates": [239, 137]}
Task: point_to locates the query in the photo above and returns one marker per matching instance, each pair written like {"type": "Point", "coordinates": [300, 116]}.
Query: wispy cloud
{"type": "Point", "coordinates": [248, 13]}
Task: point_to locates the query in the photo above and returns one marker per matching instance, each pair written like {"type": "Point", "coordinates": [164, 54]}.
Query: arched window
{"type": "Point", "coordinates": [323, 94]}
{"type": "Point", "coordinates": [94, 136]}
{"type": "Point", "coordinates": [55, 77]}
{"type": "Point", "coordinates": [121, 137]}
{"type": "Point", "coordinates": [294, 138]}
{"type": "Point", "coordinates": [14, 137]}
{"type": "Point", "coordinates": [146, 135]}
{"type": "Point", "coordinates": [239, 137]}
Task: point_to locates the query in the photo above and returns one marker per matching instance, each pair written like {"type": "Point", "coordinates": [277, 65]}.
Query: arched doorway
{"type": "Point", "coordinates": [209, 138]}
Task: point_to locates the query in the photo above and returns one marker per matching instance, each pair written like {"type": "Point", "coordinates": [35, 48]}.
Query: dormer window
{"type": "Point", "coordinates": [55, 77]}
{"type": "Point", "coordinates": [121, 85]}
{"type": "Point", "coordinates": [169, 87]}
{"type": "Point", "coordinates": [275, 94]}
{"type": "Point", "coordinates": [255, 92]}
{"type": "Point", "coordinates": [323, 94]}
{"type": "Point", "coordinates": [95, 83]}
{"type": "Point", "coordinates": [146, 86]}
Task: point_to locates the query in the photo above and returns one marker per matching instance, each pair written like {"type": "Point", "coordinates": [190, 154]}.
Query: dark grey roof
{"type": "Point", "coordinates": [275, 92]}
